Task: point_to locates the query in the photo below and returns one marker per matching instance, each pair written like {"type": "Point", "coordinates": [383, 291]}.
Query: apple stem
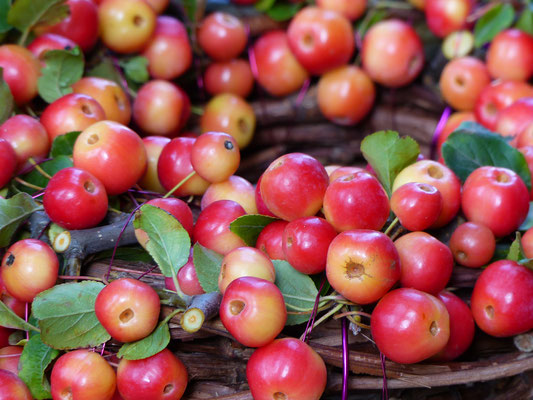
{"type": "Point", "coordinates": [179, 184]}
{"type": "Point", "coordinates": [391, 227]}
{"type": "Point", "coordinates": [202, 307]}
{"type": "Point", "coordinates": [312, 317]}
{"type": "Point", "coordinates": [323, 318]}
{"type": "Point", "coordinates": [27, 184]}
{"type": "Point", "coordinates": [126, 224]}
{"type": "Point", "coordinates": [345, 359]}
{"type": "Point", "coordinates": [39, 169]}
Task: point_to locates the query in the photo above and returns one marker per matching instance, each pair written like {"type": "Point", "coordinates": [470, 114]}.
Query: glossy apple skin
{"type": "Point", "coordinates": [17, 306]}
{"type": "Point", "coordinates": [159, 377]}
{"type": "Point", "coordinates": [527, 243]}
{"type": "Point", "coordinates": [362, 265]}
{"type": "Point", "coordinates": [278, 70]}
{"type": "Point", "coordinates": [462, 81]}
{"type": "Point", "coordinates": [426, 263]}
{"type": "Point", "coordinates": [27, 137]}
{"type": "Point", "coordinates": [409, 326]}
{"type": "Point", "coordinates": [126, 26]}
{"type": "Point", "coordinates": [346, 95]}
{"type": "Point", "coordinates": [174, 165]}
{"type": "Point", "coordinates": [286, 366]}
{"type": "Point", "coordinates": [187, 279]}
{"type": "Point", "coordinates": [527, 151]}
{"type": "Point", "coordinates": [497, 96]}
{"type": "Point", "coordinates": [525, 138]}
{"type": "Point", "coordinates": [82, 375]}
{"type": "Point", "coordinates": [29, 267]}
{"type": "Point", "coordinates": [514, 119]}
{"type": "Point", "coordinates": [75, 199]}
{"type": "Point", "coordinates": [113, 153]}
{"type": "Point", "coordinates": [245, 261]}
{"type": "Point", "coordinates": [446, 16]}
{"type": "Point", "coordinates": [169, 42]}
{"type": "Point", "coordinates": [212, 226]}
{"type": "Point", "coordinates": [293, 186]}
{"type": "Point", "coordinates": [440, 176]}
{"type": "Point", "coordinates": [320, 39]}
{"type": "Point", "coordinates": [351, 9]}
{"type": "Point", "coordinates": [161, 108]}
{"type": "Point", "coordinates": [472, 244]}
{"type": "Point", "coordinates": [416, 205]}
{"type": "Point", "coordinates": [72, 112]}
{"type": "Point", "coordinates": [233, 76]}
{"type": "Point", "coordinates": [392, 53]}
{"type": "Point", "coordinates": [215, 156]}
{"type": "Point", "coordinates": [12, 387]}
{"type": "Point", "coordinates": [338, 171]}
{"type": "Point", "coordinates": [510, 55]}
{"type": "Point", "coordinates": [154, 146]}
{"type": "Point", "coordinates": [253, 311]}
{"type": "Point", "coordinates": [109, 95]}
{"type": "Point", "coordinates": [175, 207]}
{"type": "Point", "coordinates": [501, 301]}
{"type": "Point", "coordinates": [222, 36]}
{"type": "Point", "coordinates": [261, 206]}
{"type": "Point", "coordinates": [9, 358]}
{"type": "Point", "coordinates": [49, 41]}
{"type": "Point", "coordinates": [128, 309]}
{"type": "Point", "coordinates": [81, 25]}
{"type": "Point", "coordinates": [356, 201]}
{"type": "Point", "coordinates": [235, 188]}
{"type": "Point", "coordinates": [270, 240]}
{"type": "Point", "coordinates": [8, 160]}
{"type": "Point", "coordinates": [462, 327]}
{"type": "Point", "coordinates": [305, 243]}
{"type": "Point", "coordinates": [497, 198]}
{"type": "Point", "coordinates": [21, 69]}
{"type": "Point", "coordinates": [231, 114]}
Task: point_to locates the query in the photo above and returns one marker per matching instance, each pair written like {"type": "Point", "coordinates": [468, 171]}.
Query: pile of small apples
{"type": "Point", "coordinates": [325, 219]}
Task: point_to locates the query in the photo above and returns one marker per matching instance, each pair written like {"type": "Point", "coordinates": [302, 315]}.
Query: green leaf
{"type": "Point", "coordinates": [63, 68]}
{"type": "Point", "coordinates": [106, 69]}
{"type": "Point", "coordinates": [528, 222]}
{"type": "Point", "coordinates": [294, 283]}
{"type": "Point", "coordinates": [168, 242]}
{"type": "Point", "coordinates": [516, 252]}
{"type": "Point", "coordinates": [248, 227]}
{"type": "Point", "coordinates": [26, 14]}
{"type": "Point", "coordinates": [372, 17]}
{"type": "Point", "coordinates": [136, 69]}
{"type": "Point", "coordinates": [388, 154]}
{"type": "Point", "coordinates": [6, 99]}
{"type": "Point", "coordinates": [51, 167]}
{"type": "Point", "coordinates": [190, 9]}
{"type": "Point", "coordinates": [283, 11]}
{"type": "Point", "coordinates": [471, 146]}
{"type": "Point", "coordinates": [525, 21]}
{"type": "Point", "coordinates": [13, 212]}
{"type": "Point", "coordinates": [4, 9]}
{"type": "Point", "coordinates": [494, 21]}
{"type": "Point", "coordinates": [34, 360]}
{"type": "Point", "coordinates": [264, 5]}
{"type": "Point", "coordinates": [63, 145]}
{"type": "Point", "coordinates": [152, 344]}
{"type": "Point", "coordinates": [11, 320]}
{"type": "Point", "coordinates": [67, 318]}
{"type": "Point", "coordinates": [207, 264]}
